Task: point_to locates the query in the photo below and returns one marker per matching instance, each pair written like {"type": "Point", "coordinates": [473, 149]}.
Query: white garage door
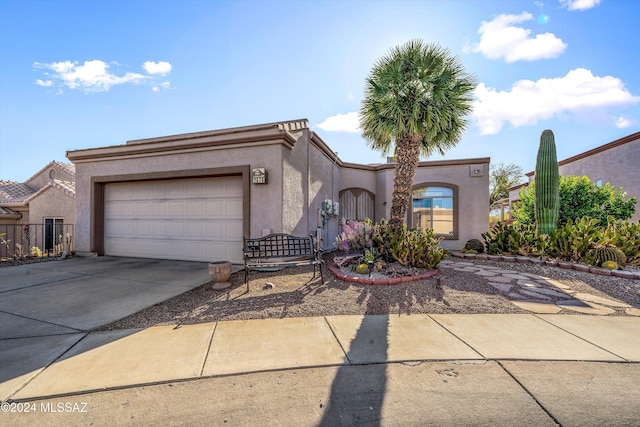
{"type": "Point", "coordinates": [196, 219]}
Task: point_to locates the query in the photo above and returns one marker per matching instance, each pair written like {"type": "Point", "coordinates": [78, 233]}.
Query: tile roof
{"type": "Point", "coordinates": [67, 187]}
{"type": "Point", "coordinates": [11, 191]}
{"type": "Point", "coordinates": [67, 167]}
{"type": "Point", "coordinates": [70, 168]}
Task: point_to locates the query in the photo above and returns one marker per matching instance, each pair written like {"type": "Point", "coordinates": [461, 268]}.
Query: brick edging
{"type": "Point", "coordinates": [625, 274]}
{"type": "Point", "coordinates": [384, 281]}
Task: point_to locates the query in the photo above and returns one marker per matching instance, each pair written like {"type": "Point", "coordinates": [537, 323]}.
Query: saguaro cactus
{"type": "Point", "coordinates": [547, 184]}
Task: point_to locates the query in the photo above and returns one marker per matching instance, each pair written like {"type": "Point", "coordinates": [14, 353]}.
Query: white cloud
{"type": "Point", "coordinates": [161, 68]}
{"type": "Point", "coordinates": [624, 122]}
{"type": "Point", "coordinates": [348, 122]}
{"type": "Point", "coordinates": [163, 85]}
{"type": "Point", "coordinates": [529, 101]}
{"type": "Point", "coordinates": [97, 76]}
{"type": "Point", "coordinates": [92, 76]}
{"type": "Point", "coordinates": [579, 4]}
{"type": "Point", "coordinates": [501, 38]}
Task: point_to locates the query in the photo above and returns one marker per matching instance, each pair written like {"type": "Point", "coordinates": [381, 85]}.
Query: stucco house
{"type": "Point", "coordinates": [615, 163]}
{"type": "Point", "coordinates": [194, 196]}
{"type": "Point", "coordinates": [45, 202]}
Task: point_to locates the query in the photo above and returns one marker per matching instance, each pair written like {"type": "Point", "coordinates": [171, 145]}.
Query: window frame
{"type": "Point", "coordinates": [456, 197]}
{"type": "Point", "coordinates": [50, 240]}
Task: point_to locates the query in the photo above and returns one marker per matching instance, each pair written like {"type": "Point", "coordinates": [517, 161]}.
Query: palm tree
{"type": "Point", "coordinates": [416, 100]}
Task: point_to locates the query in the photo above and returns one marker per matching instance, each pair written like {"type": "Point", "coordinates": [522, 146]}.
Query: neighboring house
{"type": "Point", "coordinates": [615, 163]}
{"type": "Point", "coordinates": [194, 196]}
{"type": "Point", "coordinates": [45, 202]}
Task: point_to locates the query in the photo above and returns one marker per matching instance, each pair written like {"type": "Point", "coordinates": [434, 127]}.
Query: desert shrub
{"type": "Point", "coordinates": [624, 235]}
{"type": "Point", "coordinates": [577, 241]}
{"type": "Point", "coordinates": [410, 247]}
{"type": "Point", "coordinates": [573, 241]}
{"type": "Point", "coordinates": [497, 239]}
{"type": "Point", "coordinates": [579, 197]}
{"type": "Point", "coordinates": [525, 241]}
{"type": "Point", "coordinates": [515, 238]}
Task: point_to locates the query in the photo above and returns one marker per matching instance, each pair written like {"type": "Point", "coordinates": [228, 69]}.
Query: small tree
{"type": "Point", "coordinates": [579, 197]}
{"type": "Point", "coordinates": [502, 178]}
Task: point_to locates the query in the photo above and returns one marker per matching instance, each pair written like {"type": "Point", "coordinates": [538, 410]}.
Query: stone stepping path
{"type": "Point", "coordinates": [538, 294]}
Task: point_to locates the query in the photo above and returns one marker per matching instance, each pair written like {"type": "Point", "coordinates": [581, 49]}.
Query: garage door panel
{"type": "Point", "coordinates": [193, 219]}
{"type": "Point", "coordinates": [176, 208]}
{"type": "Point", "coordinates": [233, 207]}
{"type": "Point", "coordinates": [233, 229]}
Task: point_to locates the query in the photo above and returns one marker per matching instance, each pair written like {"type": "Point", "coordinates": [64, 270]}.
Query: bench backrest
{"type": "Point", "coordinates": [278, 245]}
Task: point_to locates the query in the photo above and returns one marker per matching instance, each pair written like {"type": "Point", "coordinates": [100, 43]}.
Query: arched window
{"type": "Point", "coordinates": [435, 206]}
{"type": "Point", "coordinates": [357, 204]}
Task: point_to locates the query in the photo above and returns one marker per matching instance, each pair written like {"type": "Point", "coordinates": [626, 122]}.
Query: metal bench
{"type": "Point", "coordinates": [280, 250]}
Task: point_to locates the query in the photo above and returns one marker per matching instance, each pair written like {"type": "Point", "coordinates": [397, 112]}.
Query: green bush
{"type": "Point", "coordinates": [579, 197]}
{"type": "Point", "coordinates": [410, 247]}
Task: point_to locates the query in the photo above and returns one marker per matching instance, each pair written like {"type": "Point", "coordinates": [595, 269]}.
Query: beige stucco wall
{"type": "Point", "coordinates": [52, 203]}
{"type": "Point", "coordinates": [324, 184]}
{"type": "Point", "coordinates": [294, 182]}
{"type": "Point", "coordinates": [355, 177]}
{"type": "Point", "coordinates": [310, 176]}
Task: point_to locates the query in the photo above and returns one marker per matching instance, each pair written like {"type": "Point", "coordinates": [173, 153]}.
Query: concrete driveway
{"type": "Point", "coordinates": [47, 308]}
{"type": "Point", "coordinates": [84, 293]}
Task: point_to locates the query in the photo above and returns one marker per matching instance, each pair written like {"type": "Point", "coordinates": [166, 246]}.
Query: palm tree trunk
{"type": "Point", "coordinates": [407, 158]}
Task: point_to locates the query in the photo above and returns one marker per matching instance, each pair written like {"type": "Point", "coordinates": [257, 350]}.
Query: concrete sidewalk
{"type": "Point", "coordinates": [345, 370]}
{"type": "Point", "coordinates": [85, 362]}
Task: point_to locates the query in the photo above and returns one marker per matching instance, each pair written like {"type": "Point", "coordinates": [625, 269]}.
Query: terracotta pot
{"type": "Point", "coordinates": [220, 272]}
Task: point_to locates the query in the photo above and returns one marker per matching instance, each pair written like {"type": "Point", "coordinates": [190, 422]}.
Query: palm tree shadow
{"type": "Point", "coordinates": [358, 389]}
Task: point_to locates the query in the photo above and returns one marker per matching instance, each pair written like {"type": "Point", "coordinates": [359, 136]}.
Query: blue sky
{"type": "Point", "coordinates": [83, 74]}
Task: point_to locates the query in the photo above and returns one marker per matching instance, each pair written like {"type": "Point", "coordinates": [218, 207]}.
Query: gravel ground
{"type": "Point", "coordinates": [296, 294]}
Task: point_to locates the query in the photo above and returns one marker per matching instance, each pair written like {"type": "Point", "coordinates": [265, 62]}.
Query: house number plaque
{"type": "Point", "coordinates": [259, 176]}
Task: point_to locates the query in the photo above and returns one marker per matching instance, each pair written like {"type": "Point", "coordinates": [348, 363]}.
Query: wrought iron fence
{"type": "Point", "coordinates": [25, 241]}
